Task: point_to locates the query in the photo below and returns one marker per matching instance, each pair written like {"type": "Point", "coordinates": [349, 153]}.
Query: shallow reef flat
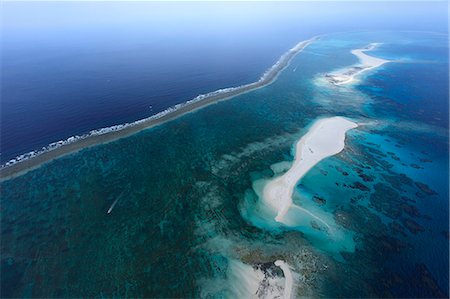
{"type": "Point", "coordinates": [174, 210]}
{"type": "Point", "coordinates": [34, 159]}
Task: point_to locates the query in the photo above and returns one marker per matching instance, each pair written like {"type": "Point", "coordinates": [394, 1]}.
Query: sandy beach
{"type": "Point", "coordinates": [35, 159]}
{"type": "Point", "coordinates": [325, 138]}
{"type": "Point", "coordinates": [367, 62]}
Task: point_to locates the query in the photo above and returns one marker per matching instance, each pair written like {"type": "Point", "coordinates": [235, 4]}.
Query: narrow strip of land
{"type": "Point", "coordinates": [35, 159]}
{"type": "Point", "coordinates": [289, 281]}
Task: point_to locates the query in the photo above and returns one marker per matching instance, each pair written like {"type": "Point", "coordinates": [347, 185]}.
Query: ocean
{"type": "Point", "coordinates": [69, 68]}
{"type": "Point", "coordinates": [173, 211]}
{"type": "Point", "coordinates": [45, 99]}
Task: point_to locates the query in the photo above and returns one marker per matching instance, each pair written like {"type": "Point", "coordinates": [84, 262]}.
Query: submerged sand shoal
{"type": "Point", "coordinates": [325, 138]}
{"type": "Point", "coordinates": [22, 166]}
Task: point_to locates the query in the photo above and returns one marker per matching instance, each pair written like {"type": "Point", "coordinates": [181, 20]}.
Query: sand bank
{"type": "Point", "coordinates": [34, 159]}
{"type": "Point", "coordinates": [289, 281]}
{"type": "Point", "coordinates": [367, 63]}
{"type": "Point", "coordinates": [245, 281]}
{"type": "Point", "coordinates": [325, 138]}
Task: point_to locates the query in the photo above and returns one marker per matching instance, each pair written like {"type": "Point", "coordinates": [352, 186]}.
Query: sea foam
{"type": "Point", "coordinates": [267, 77]}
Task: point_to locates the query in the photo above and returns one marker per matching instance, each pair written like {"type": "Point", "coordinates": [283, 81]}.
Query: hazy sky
{"type": "Point", "coordinates": [64, 61]}
{"type": "Point", "coordinates": [80, 13]}
{"type": "Point", "coordinates": [41, 20]}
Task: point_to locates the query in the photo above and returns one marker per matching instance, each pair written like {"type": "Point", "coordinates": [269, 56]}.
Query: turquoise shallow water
{"type": "Point", "coordinates": [186, 224]}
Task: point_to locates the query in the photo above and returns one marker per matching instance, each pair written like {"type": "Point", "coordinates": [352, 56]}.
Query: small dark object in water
{"type": "Point", "coordinates": [416, 166]}
{"type": "Point", "coordinates": [425, 189]}
{"type": "Point", "coordinates": [410, 210]}
{"type": "Point", "coordinates": [319, 200]}
{"type": "Point", "coordinates": [323, 172]}
{"type": "Point", "coordinates": [366, 178]}
{"type": "Point", "coordinates": [315, 225]}
{"type": "Point", "coordinates": [425, 160]}
{"type": "Point", "coordinates": [360, 186]}
{"type": "Point", "coordinates": [412, 226]}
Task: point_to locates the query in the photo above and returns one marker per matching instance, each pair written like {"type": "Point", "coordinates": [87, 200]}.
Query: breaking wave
{"type": "Point", "coordinates": [268, 77]}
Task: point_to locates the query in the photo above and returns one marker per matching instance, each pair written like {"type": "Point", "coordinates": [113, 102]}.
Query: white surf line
{"type": "Point", "coordinates": [325, 138]}
{"type": "Point", "coordinates": [31, 160]}
{"type": "Point", "coordinates": [288, 278]}
{"type": "Point", "coordinates": [367, 63]}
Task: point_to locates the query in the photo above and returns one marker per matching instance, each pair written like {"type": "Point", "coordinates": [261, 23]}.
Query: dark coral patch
{"type": "Point", "coordinates": [412, 226]}
{"type": "Point", "coordinates": [359, 186]}
{"type": "Point", "coordinates": [425, 189]}
{"type": "Point", "coordinates": [319, 200]}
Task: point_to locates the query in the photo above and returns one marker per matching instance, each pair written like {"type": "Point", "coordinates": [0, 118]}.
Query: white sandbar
{"type": "Point", "coordinates": [288, 278]}
{"type": "Point", "coordinates": [325, 138]}
{"type": "Point", "coordinates": [367, 63]}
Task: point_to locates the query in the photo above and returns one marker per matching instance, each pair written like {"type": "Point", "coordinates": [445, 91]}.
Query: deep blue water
{"type": "Point", "coordinates": [407, 77]}
{"type": "Point", "coordinates": [416, 91]}
{"type": "Point", "coordinates": [51, 96]}
{"type": "Point", "coordinates": [187, 223]}
{"type": "Point", "coordinates": [74, 67]}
